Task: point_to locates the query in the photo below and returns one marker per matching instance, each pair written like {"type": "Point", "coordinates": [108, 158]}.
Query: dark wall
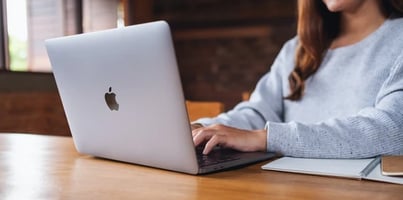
{"type": "Point", "coordinates": [225, 46]}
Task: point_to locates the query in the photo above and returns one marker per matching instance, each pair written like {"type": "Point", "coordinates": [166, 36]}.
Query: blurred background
{"type": "Point", "coordinates": [223, 47]}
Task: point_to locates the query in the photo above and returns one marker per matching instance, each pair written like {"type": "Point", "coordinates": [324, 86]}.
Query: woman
{"type": "Point", "coordinates": [334, 91]}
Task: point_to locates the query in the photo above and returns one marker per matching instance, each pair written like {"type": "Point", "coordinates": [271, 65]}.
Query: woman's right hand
{"type": "Point", "coordinates": [229, 137]}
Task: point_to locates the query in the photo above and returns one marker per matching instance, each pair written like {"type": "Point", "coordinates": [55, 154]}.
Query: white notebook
{"type": "Point", "coordinates": [348, 168]}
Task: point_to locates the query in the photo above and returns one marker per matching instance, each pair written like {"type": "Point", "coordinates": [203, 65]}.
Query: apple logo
{"type": "Point", "coordinates": [110, 99]}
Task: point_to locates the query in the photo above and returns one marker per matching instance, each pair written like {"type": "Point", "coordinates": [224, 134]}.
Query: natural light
{"type": "Point", "coordinates": [17, 32]}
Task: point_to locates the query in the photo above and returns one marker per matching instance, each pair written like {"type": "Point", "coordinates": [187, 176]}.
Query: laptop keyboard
{"type": "Point", "coordinates": [216, 156]}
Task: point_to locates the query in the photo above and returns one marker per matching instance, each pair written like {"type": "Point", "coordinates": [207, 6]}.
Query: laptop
{"type": "Point", "coordinates": [123, 99]}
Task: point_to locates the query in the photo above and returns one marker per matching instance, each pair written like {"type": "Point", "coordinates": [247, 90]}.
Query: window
{"type": "Point", "coordinates": [28, 23]}
{"type": "Point", "coordinates": [17, 34]}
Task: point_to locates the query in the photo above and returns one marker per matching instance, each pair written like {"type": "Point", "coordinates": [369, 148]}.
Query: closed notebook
{"type": "Point", "coordinates": [347, 168]}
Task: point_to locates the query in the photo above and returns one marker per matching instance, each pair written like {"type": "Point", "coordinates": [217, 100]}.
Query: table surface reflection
{"type": "Point", "coordinates": [49, 167]}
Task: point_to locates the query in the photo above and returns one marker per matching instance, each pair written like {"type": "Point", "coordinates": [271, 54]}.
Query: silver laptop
{"type": "Point", "coordinates": [123, 99]}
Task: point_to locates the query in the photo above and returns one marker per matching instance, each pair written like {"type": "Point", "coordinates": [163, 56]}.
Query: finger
{"type": "Point", "coordinates": [201, 136]}
{"type": "Point", "coordinates": [196, 131]}
{"type": "Point", "coordinates": [213, 142]}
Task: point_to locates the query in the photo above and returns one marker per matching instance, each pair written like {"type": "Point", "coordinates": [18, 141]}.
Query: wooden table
{"type": "Point", "coordinates": [48, 167]}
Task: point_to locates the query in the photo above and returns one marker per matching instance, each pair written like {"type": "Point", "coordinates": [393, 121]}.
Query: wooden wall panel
{"type": "Point", "coordinates": [225, 46]}
{"type": "Point", "coordinates": [32, 112]}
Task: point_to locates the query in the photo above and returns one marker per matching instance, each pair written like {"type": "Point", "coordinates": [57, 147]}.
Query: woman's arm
{"type": "Point", "coordinates": [372, 131]}
{"type": "Point", "coordinates": [266, 101]}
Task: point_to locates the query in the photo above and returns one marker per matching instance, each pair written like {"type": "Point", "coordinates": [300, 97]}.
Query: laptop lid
{"type": "Point", "coordinates": [122, 96]}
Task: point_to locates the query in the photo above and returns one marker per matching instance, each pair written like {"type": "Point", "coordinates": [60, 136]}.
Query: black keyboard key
{"type": "Point", "coordinates": [216, 156]}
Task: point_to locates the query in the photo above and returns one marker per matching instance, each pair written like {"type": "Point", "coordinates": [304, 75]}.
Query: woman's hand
{"type": "Point", "coordinates": [241, 140]}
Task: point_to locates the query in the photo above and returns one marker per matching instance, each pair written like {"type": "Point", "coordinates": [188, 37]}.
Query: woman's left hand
{"type": "Point", "coordinates": [241, 140]}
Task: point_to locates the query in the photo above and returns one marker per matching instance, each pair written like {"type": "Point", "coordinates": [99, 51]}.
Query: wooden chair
{"type": "Point", "coordinates": [199, 109]}
{"type": "Point", "coordinates": [245, 96]}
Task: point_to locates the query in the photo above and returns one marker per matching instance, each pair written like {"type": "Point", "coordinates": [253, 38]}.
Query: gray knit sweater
{"type": "Point", "coordinates": [352, 106]}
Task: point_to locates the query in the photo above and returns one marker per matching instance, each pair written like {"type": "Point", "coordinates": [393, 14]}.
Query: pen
{"type": "Point", "coordinates": [370, 166]}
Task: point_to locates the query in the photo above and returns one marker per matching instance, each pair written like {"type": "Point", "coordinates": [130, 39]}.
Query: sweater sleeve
{"type": "Point", "coordinates": [266, 101]}
{"type": "Point", "coordinates": [373, 131]}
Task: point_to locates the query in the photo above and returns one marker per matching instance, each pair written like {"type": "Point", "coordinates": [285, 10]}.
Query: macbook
{"type": "Point", "coordinates": [123, 99]}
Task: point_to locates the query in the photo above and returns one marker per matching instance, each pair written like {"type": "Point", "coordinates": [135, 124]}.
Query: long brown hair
{"type": "Point", "coordinates": [317, 27]}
